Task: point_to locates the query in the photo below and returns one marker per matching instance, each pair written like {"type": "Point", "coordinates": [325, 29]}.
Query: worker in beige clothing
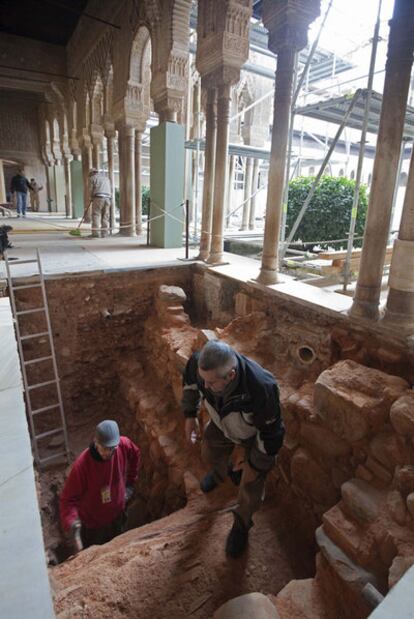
{"type": "Point", "coordinates": [34, 194]}
{"type": "Point", "coordinates": [100, 196]}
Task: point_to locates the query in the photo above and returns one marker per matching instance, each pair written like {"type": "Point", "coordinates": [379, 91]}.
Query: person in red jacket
{"type": "Point", "coordinates": [99, 485]}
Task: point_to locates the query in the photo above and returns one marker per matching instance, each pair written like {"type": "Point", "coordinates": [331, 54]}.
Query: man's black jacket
{"type": "Point", "coordinates": [251, 410]}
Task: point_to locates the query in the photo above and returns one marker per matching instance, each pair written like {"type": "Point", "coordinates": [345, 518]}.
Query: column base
{"type": "Point", "coordinates": [267, 277]}
{"type": "Point", "coordinates": [216, 260]}
{"type": "Point", "coordinates": [202, 256]}
{"type": "Point", "coordinates": [127, 233]}
{"type": "Point", "coordinates": [402, 322]}
{"type": "Point", "coordinates": [363, 309]}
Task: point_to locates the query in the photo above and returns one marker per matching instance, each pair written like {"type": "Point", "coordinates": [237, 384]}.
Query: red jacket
{"type": "Point", "coordinates": [94, 492]}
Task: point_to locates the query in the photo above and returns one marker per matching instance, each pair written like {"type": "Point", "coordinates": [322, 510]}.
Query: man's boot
{"type": "Point", "coordinates": [237, 538]}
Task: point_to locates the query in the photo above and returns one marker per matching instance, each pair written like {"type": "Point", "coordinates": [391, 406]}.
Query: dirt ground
{"type": "Point", "coordinates": [176, 567]}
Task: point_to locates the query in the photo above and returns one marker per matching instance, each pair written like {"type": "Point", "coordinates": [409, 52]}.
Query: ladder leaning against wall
{"type": "Point", "coordinates": [53, 410]}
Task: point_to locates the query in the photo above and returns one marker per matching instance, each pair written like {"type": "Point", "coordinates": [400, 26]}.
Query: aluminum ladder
{"type": "Point", "coordinates": [57, 404]}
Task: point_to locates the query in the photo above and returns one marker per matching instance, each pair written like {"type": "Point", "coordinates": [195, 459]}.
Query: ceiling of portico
{"type": "Point", "coordinates": [50, 21]}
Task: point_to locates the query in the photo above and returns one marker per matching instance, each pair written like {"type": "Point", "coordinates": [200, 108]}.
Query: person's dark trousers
{"type": "Point", "coordinates": [21, 202]}
{"type": "Point", "coordinates": [90, 537]}
{"type": "Point", "coordinates": [216, 450]}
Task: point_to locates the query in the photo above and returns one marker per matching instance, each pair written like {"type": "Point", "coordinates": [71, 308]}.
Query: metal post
{"type": "Point", "coordinates": [304, 73]}
{"type": "Point", "coordinates": [148, 222]}
{"type": "Point", "coordinates": [187, 228]}
{"type": "Point", "coordinates": [321, 170]}
{"type": "Point", "coordinates": [355, 202]}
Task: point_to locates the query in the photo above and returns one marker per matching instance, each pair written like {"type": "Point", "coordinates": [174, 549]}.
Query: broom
{"type": "Point", "coordinates": [76, 231]}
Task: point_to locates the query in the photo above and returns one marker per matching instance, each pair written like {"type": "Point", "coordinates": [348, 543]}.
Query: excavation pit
{"type": "Point", "coordinates": [121, 354]}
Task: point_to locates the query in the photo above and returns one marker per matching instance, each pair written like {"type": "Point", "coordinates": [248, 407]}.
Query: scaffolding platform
{"type": "Point", "coordinates": [333, 111]}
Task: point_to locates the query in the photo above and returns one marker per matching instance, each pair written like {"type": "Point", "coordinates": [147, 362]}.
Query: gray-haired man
{"type": "Point", "coordinates": [242, 400]}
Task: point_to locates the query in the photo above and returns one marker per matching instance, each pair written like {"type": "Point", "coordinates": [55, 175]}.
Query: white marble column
{"type": "Point", "coordinates": [138, 183]}
{"type": "Point", "coordinates": [126, 140]}
{"type": "Point", "coordinates": [222, 144]}
{"type": "Point", "coordinates": [208, 185]}
{"type": "Point", "coordinates": [281, 116]}
{"type": "Point", "coordinates": [394, 102]}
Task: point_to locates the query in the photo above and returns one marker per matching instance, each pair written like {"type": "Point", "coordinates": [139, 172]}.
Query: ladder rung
{"type": "Point", "coordinates": [13, 262]}
{"type": "Point", "coordinates": [45, 408]}
{"type": "Point", "coordinates": [29, 337]}
{"type": "Point", "coordinates": [48, 382]}
{"type": "Point", "coordinates": [26, 286]}
{"type": "Point", "coordinates": [32, 311]}
{"type": "Point", "coordinates": [38, 360]}
{"type": "Point", "coordinates": [54, 457]}
{"type": "Point", "coordinates": [49, 433]}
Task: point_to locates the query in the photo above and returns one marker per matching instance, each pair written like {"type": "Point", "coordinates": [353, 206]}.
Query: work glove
{"type": "Point", "coordinates": [129, 491]}
{"type": "Point", "coordinates": [75, 530]}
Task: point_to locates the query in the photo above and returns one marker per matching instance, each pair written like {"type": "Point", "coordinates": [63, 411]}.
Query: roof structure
{"type": "Point", "coordinates": [333, 110]}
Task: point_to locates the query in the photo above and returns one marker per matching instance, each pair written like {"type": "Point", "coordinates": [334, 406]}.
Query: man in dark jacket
{"type": "Point", "coordinates": [19, 186]}
{"type": "Point", "coordinates": [242, 400]}
{"type": "Point", "coordinates": [99, 485]}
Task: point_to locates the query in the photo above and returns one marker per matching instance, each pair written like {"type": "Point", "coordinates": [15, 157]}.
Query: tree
{"type": "Point", "coordinates": [329, 213]}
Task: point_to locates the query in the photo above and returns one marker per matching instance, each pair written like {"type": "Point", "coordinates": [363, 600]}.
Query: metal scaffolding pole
{"type": "Point", "coordinates": [355, 202]}
{"type": "Point", "coordinates": [319, 175]}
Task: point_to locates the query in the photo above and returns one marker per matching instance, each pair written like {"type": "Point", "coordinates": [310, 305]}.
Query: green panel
{"type": "Point", "coordinates": [77, 188]}
{"type": "Point", "coordinates": [167, 183]}
{"type": "Point", "coordinates": [60, 188]}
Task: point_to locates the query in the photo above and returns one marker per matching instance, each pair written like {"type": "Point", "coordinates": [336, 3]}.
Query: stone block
{"type": "Point", "coordinates": [349, 536]}
{"type": "Point", "coordinates": [361, 500]}
{"type": "Point", "coordinates": [354, 400]}
{"type": "Point", "coordinates": [347, 570]}
{"type": "Point", "coordinates": [311, 479]}
{"type": "Point", "coordinates": [323, 441]}
{"type": "Point", "coordinates": [404, 479]}
{"type": "Point", "coordinates": [390, 450]}
{"type": "Point", "coordinates": [396, 507]}
{"type": "Point", "coordinates": [398, 568]}
{"type": "Point", "coordinates": [410, 504]}
{"type": "Point", "coordinates": [361, 472]}
{"type": "Point", "coordinates": [247, 606]}
{"type": "Point", "coordinates": [402, 414]}
{"type": "Point", "coordinates": [171, 295]}
{"type": "Point", "coordinates": [301, 599]}
{"type": "Point", "coordinates": [387, 548]}
{"type": "Point", "coordinates": [378, 470]}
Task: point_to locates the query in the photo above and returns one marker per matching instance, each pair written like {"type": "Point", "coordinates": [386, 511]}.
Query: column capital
{"type": "Point", "coordinates": [168, 87]}
{"type": "Point", "coordinates": [125, 127]}
{"type": "Point", "coordinates": [288, 21]}
{"type": "Point", "coordinates": [222, 40]}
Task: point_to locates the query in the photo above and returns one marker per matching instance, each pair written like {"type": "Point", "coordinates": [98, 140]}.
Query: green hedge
{"type": "Point", "coordinates": [329, 214]}
{"type": "Point", "coordinates": [145, 194]}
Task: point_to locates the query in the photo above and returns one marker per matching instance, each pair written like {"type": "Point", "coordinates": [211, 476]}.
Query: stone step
{"type": "Point", "coordinates": [349, 536]}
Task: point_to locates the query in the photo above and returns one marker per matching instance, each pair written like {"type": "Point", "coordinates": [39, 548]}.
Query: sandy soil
{"type": "Point", "coordinates": [176, 567]}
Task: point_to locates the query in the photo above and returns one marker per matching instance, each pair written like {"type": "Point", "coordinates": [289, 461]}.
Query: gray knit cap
{"type": "Point", "coordinates": [107, 433]}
